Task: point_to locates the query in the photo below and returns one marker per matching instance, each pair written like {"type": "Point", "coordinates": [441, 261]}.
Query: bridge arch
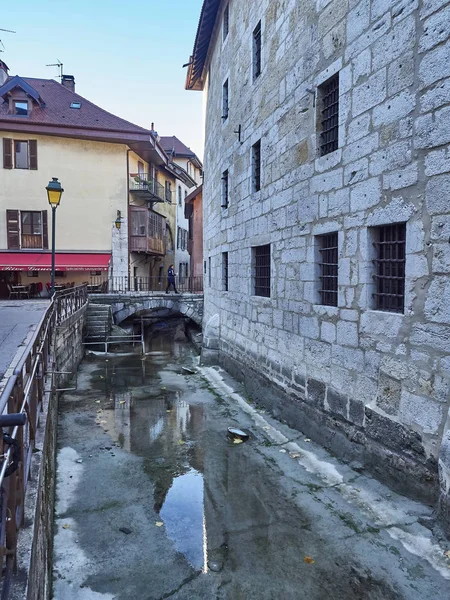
{"type": "Point", "coordinates": [126, 305]}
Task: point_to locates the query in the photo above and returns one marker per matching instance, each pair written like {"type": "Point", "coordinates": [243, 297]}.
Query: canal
{"type": "Point", "coordinates": [155, 501]}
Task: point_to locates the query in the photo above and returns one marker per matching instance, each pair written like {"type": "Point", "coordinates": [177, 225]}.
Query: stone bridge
{"type": "Point", "coordinates": [126, 304]}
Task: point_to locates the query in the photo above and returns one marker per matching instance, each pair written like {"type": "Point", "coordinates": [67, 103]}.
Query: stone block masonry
{"type": "Point", "coordinates": [369, 380]}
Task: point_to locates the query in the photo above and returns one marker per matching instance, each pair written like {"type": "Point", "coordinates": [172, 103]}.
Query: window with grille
{"type": "Point", "coordinates": [389, 242]}
{"type": "Point", "coordinates": [256, 166]}
{"type": "Point", "coordinates": [329, 118]}
{"type": "Point", "coordinates": [225, 271]}
{"type": "Point", "coordinates": [224, 203]}
{"type": "Point", "coordinates": [261, 259]}
{"type": "Point", "coordinates": [328, 249]}
{"type": "Point", "coordinates": [257, 51]}
{"type": "Point", "coordinates": [225, 106]}
{"type": "Point", "coordinates": [226, 22]}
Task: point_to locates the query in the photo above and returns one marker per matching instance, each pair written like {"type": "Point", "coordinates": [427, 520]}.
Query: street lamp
{"type": "Point", "coordinates": [54, 193]}
{"type": "Point", "coordinates": [118, 221]}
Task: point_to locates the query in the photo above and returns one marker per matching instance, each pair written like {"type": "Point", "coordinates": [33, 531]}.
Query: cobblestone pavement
{"type": "Point", "coordinates": [18, 318]}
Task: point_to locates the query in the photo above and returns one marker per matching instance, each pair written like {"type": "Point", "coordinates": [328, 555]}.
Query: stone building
{"type": "Point", "coordinates": [327, 222]}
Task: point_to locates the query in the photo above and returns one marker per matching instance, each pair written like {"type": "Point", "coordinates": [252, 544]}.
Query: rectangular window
{"type": "Point", "coordinates": [168, 190]}
{"type": "Point", "coordinates": [21, 155]}
{"type": "Point", "coordinates": [204, 267]}
{"type": "Point", "coordinates": [257, 51]}
{"type": "Point", "coordinates": [256, 166]}
{"type": "Point", "coordinates": [209, 271]}
{"type": "Point", "coordinates": [138, 222]}
{"type": "Point", "coordinates": [31, 229]}
{"type": "Point", "coordinates": [226, 22]}
{"type": "Point", "coordinates": [261, 259]}
{"type": "Point", "coordinates": [225, 271]}
{"type": "Point", "coordinates": [389, 242]}
{"type": "Point", "coordinates": [328, 249]}
{"type": "Point", "coordinates": [224, 203]}
{"type": "Point", "coordinates": [180, 196]}
{"type": "Point", "coordinates": [155, 226]}
{"type": "Point", "coordinates": [225, 106]}
{"type": "Point", "coordinates": [329, 117]}
{"type": "Point", "coordinates": [21, 108]}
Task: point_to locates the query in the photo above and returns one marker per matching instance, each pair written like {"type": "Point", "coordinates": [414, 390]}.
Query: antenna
{"type": "Point", "coordinates": [60, 67]}
{"type": "Point", "coordinates": [2, 49]}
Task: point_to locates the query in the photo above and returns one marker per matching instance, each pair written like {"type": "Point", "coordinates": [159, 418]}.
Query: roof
{"type": "Point", "coordinates": [171, 144]}
{"type": "Point", "coordinates": [17, 81]}
{"type": "Point", "coordinates": [205, 29]}
{"type": "Point", "coordinates": [194, 194]}
{"type": "Point", "coordinates": [57, 111]}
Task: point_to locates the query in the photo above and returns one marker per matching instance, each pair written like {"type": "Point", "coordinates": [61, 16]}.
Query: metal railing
{"type": "Point", "coordinates": [184, 285]}
{"type": "Point", "coordinates": [143, 183]}
{"type": "Point", "coordinates": [24, 394]}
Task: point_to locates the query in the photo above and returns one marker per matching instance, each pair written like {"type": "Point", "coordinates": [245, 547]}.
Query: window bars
{"type": "Point", "coordinates": [224, 203]}
{"type": "Point", "coordinates": [225, 271]}
{"type": "Point", "coordinates": [329, 92]}
{"type": "Point", "coordinates": [257, 51]}
{"type": "Point", "coordinates": [256, 166]}
{"type": "Point", "coordinates": [262, 270]}
{"type": "Point", "coordinates": [390, 242]}
{"type": "Point", "coordinates": [329, 269]}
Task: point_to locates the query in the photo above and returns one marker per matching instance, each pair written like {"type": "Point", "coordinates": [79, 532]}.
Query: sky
{"type": "Point", "coordinates": [126, 57]}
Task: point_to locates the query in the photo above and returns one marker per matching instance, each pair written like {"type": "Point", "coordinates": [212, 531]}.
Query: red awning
{"type": "Point", "coordinates": [24, 261]}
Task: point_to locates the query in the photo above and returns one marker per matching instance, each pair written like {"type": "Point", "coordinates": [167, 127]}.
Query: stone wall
{"type": "Point", "coordinates": [35, 546]}
{"type": "Point", "coordinates": [371, 385]}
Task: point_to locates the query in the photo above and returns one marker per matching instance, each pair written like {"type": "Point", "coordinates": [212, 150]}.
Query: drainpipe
{"type": "Point", "coordinates": [128, 215]}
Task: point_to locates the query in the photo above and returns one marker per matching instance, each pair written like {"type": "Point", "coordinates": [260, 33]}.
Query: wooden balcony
{"type": "Point", "coordinates": [141, 243]}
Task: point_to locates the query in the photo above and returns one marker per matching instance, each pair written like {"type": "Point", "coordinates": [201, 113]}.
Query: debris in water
{"type": "Point", "coordinates": [79, 460]}
{"type": "Point", "coordinates": [125, 530]}
{"type": "Point", "coordinates": [186, 370]}
{"type": "Point", "coordinates": [237, 441]}
{"type": "Point", "coordinates": [97, 402]}
{"type": "Point", "coordinates": [294, 454]}
{"type": "Point", "coordinates": [309, 560]}
{"type": "Point", "coordinates": [122, 401]}
{"type": "Point", "coordinates": [181, 442]}
{"type": "Point", "coordinates": [163, 387]}
{"type": "Point", "coordinates": [447, 553]}
{"type": "Point", "coordinates": [283, 450]}
{"type": "Point", "coordinates": [159, 523]}
{"type": "Point", "coordinates": [214, 565]}
{"type": "Point", "coordinates": [66, 526]}
{"type": "Point", "coordinates": [235, 433]}
{"type": "Point", "coordinates": [307, 440]}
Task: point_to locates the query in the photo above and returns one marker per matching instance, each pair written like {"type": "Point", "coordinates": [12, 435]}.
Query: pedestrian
{"type": "Point", "coordinates": [171, 280]}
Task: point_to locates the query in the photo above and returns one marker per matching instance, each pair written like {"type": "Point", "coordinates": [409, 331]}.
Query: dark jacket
{"type": "Point", "coordinates": [171, 275]}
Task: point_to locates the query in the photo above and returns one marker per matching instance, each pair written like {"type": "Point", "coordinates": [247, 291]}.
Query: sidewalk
{"type": "Point", "coordinates": [18, 319]}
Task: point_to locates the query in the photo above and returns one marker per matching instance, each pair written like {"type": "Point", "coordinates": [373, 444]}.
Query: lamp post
{"type": "Point", "coordinates": [54, 193]}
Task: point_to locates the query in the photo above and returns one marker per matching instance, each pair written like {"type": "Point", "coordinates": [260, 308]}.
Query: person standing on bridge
{"type": "Point", "coordinates": [171, 280]}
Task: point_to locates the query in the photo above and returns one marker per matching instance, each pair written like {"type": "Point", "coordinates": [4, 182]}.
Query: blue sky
{"type": "Point", "coordinates": [126, 57]}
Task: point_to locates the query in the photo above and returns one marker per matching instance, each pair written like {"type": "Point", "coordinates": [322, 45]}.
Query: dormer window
{"type": "Point", "coordinates": [75, 105]}
{"type": "Point", "coordinates": [21, 108]}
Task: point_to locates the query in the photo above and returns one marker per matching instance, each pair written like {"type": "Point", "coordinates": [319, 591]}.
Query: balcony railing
{"type": "Point", "coordinates": [31, 241]}
{"type": "Point", "coordinates": [141, 243]}
{"type": "Point", "coordinates": [141, 184]}
{"type": "Point", "coordinates": [187, 285]}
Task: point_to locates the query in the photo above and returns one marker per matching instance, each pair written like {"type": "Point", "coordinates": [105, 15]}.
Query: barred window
{"type": "Point", "coordinates": [226, 21]}
{"type": "Point", "coordinates": [209, 271]}
{"type": "Point", "coordinates": [225, 106]}
{"type": "Point", "coordinates": [328, 249]}
{"type": "Point", "coordinates": [261, 256]}
{"type": "Point", "coordinates": [389, 242]}
{"type": "Point", "coordinates": [225, 271]}
{"type": "Point", "coordinates": [329, 103]}
{"type": "Point", "coordinates": [256, 166]}
{"type": "Point", "coordinates": [257, 51]}
{"type": "Point", "coordinates": [224, 203]}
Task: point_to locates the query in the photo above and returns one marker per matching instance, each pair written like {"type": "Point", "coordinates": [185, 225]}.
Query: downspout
{"type": "Point", "coordinates": [128, 215]}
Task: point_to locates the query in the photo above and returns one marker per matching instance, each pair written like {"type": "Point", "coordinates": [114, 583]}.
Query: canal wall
{"type": "Point", "coordinates": [35, 548]}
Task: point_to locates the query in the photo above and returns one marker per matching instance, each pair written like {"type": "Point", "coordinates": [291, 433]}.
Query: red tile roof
{"type": "Point", "coordinates": [57, 111]}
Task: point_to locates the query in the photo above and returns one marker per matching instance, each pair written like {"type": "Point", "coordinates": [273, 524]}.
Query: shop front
{"type": "Point", "coordinates": [28, 274]}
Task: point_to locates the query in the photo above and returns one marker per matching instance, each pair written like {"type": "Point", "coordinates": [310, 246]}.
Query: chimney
{"type": "Point", "coordinates": [68, 81]}
{"type": "Point", "coordinates": [3, 73]}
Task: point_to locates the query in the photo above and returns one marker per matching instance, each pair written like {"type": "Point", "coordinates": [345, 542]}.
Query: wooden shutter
{"type": "Point", "coordinates": [12, 229]}
{"type": "Point", "coordinates": [32, 149]}
{"type": "Point", "coordinates": [7, 153]}
{"type": "Point", "coordinates": [44, 230]}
